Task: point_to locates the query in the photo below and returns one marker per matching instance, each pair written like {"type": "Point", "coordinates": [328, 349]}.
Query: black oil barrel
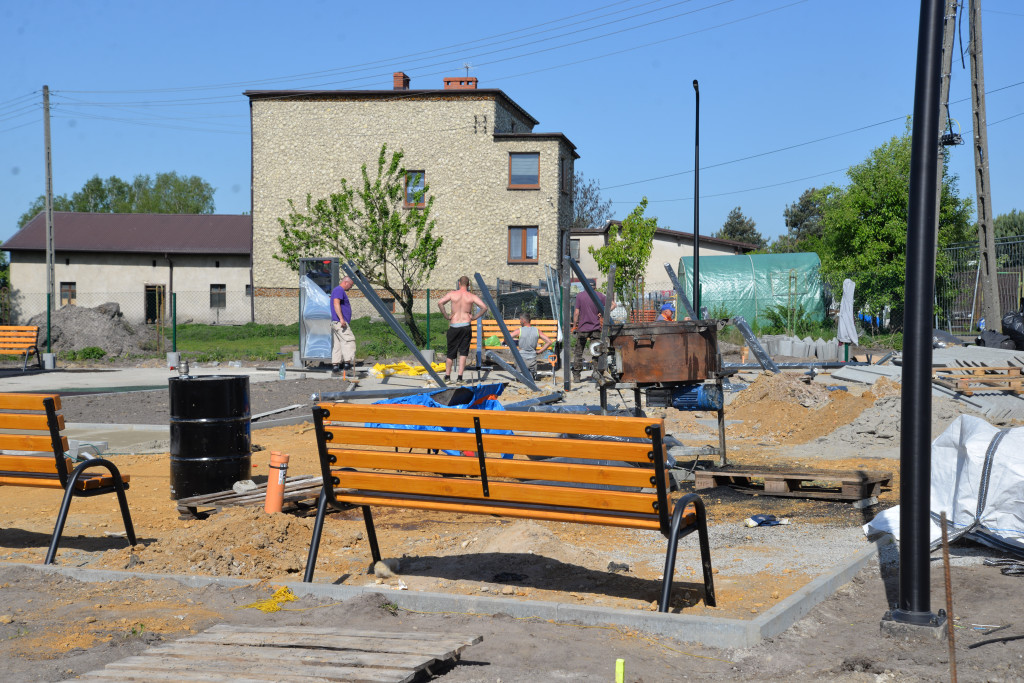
{"type": "Point", "coordinates": [211, 439]}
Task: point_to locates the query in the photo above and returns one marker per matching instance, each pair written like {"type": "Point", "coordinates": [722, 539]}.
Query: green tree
{"type": "Point", "coordinates": [864, 224]}
{"type": "Point", "coordinates": [629, 248]}
{"type": "Point", "coordinates": [803, 224]}
{"type": "Point", "coordinates": [394, 247]}
{"type": "Point", "coordinates": [164, 193]}
{"type": "Point", "coordinates": [739, 228]}
{"type": "Point", "coordinates": [589, 210]}
{"type": "Point", "coordinates": [1009, 224]}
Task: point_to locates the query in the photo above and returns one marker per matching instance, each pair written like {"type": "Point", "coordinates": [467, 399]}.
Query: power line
{"type": "Point", "coordinates": [730, 192]}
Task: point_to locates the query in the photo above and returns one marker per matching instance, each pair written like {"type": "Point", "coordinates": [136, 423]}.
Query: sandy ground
{"type": "Point", "coordinates": [52, 628]}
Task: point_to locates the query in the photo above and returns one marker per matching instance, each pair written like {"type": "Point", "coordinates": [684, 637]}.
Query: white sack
{"type": "Point", "coordinates": [847, 332]}
{"type": "Point", "coordinates": [973, 460]}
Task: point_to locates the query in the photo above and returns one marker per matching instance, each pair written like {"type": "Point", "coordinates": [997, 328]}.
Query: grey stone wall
{"type": "Point", "coordinates": [308, 146]}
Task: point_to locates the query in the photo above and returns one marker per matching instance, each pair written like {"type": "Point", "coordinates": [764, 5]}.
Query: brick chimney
{"type": "Point", "coordinates": [460, 83]}
{"type": "Point", "coordinates": [401, 80]}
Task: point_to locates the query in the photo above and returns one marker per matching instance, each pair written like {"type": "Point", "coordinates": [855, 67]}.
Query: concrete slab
{"type": "Point", "coordinates": [710, 631]}
{"type": "Point", "coordinates": [119, 379]}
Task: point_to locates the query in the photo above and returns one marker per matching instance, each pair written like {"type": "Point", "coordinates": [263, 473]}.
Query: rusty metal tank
{"type": "Point", "coordinates": [666, 352]}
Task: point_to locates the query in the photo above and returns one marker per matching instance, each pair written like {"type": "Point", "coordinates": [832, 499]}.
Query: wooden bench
{"type": "Point", "coordinates": [32, 453]}
{"type": "Point", "coordinates": [606, 482]}
{"type": "Point", "coordinates": [491, 329]}
{"type": "Point", "coordinates": [20, 339]}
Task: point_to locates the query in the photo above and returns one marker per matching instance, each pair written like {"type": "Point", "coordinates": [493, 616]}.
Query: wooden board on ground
{"type": "Point", "coordinates": [296, 490]}
{"type": "Point", "coordinates": [967, 381]}
{"type": "Point", "coordinates": [848, 485]}
{"type": "Point", "coordinates": [292, 653]}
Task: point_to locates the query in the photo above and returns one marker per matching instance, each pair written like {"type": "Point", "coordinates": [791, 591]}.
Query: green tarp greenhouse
{"type": "Point", "coordinates": [750, 284]}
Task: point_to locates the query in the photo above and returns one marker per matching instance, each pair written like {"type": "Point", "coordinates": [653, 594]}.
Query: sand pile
{"type": "Point", "coordinates": [73, 328]}
{"type": "Point", "coordinates": [784, 388]}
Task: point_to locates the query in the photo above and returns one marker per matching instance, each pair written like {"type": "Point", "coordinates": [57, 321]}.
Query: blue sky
{"type": "Point", "coordinates": [792, 92]}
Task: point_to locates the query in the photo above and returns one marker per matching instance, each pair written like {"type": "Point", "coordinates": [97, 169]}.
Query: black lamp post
{"type": "Point", "coordinates": [696, 203]}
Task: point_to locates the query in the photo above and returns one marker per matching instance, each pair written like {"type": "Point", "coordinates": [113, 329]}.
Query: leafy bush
{"type": "Point", "coordinates": [88, 353]}
{"type": "Point", "coordinates": [797, 321]}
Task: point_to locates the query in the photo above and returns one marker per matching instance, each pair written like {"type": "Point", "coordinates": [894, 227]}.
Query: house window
{"type": "Point", "coordinates": [524, 171]}
{"type": "Point", "coordinates": [68, 294]}
{"type": "Point", "coordinates": [574, 250]}
{"type": "Point", "coordinates": [566, 178]}
{"type": "Point", "coordinates": [522, 244]}
{"type": "Point", "coordinates": [218, 296]}
{"type": "Point", "coordinates": [415, 189]}
{"type": "Point", "coordinates": [248, 290]}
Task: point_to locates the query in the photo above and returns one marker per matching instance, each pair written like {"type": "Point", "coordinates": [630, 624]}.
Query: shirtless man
{"type": "Point", "coordinates": [460, 329]}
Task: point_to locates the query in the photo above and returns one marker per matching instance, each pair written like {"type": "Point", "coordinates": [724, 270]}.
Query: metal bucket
{"type": "Point", "coordinates": [685, 351]}
{"type": "Point", "coordinates": [210, 434]}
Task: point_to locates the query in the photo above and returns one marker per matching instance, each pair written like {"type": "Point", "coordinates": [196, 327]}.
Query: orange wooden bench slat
{"type": "Point", "coordinates": [496, 467]}
{"type": "Point", "coordinates": [489, 419]}
{"type": "Point", "coordinates": [594, 499]}
{"type": "Point", "coordinates": [30, 442]}
{"type": "Point", "coordinates": [493, 443]}
{"type": "Point", "coordinates": [43, 464]}
{"type": "Point", "coordinates": [86, 483]}
{"type": "Point", "coordinates": [27, 421]}
{"type": "Point", "coordinates": [27, 401]}
{"type": "Point", "coordinates": [650, 524]}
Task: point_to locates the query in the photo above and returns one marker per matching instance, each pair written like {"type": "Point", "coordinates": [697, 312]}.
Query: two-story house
{"type": "Point", "coordinates": [502, 192]}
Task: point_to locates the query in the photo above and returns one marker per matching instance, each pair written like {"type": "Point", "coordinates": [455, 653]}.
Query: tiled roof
{"type": "Point", "coordinates": [137, 232]}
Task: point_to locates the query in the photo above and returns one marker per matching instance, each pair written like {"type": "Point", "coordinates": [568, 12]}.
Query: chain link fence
{"type": "Point", "coordinates": [151, 306]}
{"type": "Point", "coordinates": [959, 298]}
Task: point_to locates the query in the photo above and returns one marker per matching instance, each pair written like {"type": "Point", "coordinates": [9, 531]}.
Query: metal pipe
{"type": "Point", "coordinates": [509, 341]}
{"type": "Point", "coordinates": [696, 197]}
{"type": "Point", "coordinates": [606, 322]}
{"type": "Point", "coordinates": [680, 291]}
{"type": "Point", "coordinates": [367, 393]}
{"type": "Point", "coordinates": [539, 401]}
{"type": "Point", "coordinates": [755, 346]}
{"type": "Point", "coordinates": [525, 379]}
{"type": "Point", "coordinates": [566, 304]}
{"type": "Point", "coordinates": [914, 605]}
{"type": "Point", "coordinates": [586, 283]}
{"type": "Point", "coordinates": [796, 365]}
{"type": "Point", "coordinates": [375, 301]}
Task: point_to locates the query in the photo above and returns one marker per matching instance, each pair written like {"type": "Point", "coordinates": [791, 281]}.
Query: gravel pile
{"type": "Point", "coordinates": [73, 328]}
{"type": "Point", "coordinates": [880, 424]}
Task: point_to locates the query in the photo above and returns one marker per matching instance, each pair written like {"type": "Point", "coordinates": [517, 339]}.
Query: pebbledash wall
{"type": "Point", "coordinates": [305, 142]}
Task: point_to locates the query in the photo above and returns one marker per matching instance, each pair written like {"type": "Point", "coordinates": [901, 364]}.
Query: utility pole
{"type": "Point", "coordinates": [948, 33]}
{"type": "Point", "coordinates": [986, 230]}
{"type": "Point", "coordinates": [49, 214]}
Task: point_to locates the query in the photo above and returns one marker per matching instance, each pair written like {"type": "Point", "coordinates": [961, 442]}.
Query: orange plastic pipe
{"type": "Point", "coordinates": [275, 481]}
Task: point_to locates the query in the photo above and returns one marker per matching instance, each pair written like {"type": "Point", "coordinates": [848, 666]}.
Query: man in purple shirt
{"type": "Point", "coordinates": [343, 346]}
{"type": "Point", "coordinates": [586, 326]}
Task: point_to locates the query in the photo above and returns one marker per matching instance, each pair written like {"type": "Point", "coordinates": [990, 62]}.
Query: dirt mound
{"type": "Point", "coordinates": [782, 388]}
{"type": "Point", "coordinates": [73, 328]}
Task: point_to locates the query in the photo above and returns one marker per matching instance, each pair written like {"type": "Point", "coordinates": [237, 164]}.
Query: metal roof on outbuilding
{"type": "Point", "coordinates": [169, 233]}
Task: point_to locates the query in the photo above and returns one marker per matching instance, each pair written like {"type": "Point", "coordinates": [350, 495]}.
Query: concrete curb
{"type": "Point", "coordinates": [709, 631]}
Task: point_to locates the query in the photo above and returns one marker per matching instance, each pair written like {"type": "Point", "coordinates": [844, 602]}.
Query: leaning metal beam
{"type": "Point", "coordinates": [606, 324]}
{"type": "Point", "coordinates": [585, 282]}
{"type": "Point", "coordinates": [509, 341]}
{"type": "Point", "coordinates": [755, 346]}
{"type": "Point", "coordinates": [375, 301]}
{"type": "Point", "coordinates": [680, 291]}
{"type": "Point", "coordinates": [524, 378]}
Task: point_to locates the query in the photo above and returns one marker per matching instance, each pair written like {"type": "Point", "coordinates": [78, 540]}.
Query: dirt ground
{"type": "Point", "coordinates": [52, 628]}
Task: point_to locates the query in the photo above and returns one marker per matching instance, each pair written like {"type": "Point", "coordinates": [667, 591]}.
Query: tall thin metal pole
{"type": "Point", "coordinates": [49, 214]}
{"type": "Point", "coordinates": [986, 229]}
{"type": "Point", "coordinates": [914, 605]}
{"type": "Point", "coordinates": [696, 200]}
{"type": "Point", "coordinates": [567, 338]}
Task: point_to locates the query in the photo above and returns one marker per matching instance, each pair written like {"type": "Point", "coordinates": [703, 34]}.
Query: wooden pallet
{"type": "Point", "coordinates": [849, 485]}
{"type": "Point", "coordinates": [967, 381]}
{"type": "Point", "coordinates": [296, 490]}
{"type": "Point", "coordinates": [291, 653]}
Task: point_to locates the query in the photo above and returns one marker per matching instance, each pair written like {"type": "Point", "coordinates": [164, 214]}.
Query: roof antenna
{"type": "Point", "coordinates": [466, 66]}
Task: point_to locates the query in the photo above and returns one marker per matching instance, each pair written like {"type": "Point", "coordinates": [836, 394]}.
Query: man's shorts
{"type": "Point", "coordinates": [458, 341]}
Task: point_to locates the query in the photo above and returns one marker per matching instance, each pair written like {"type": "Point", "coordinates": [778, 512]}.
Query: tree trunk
{"type": "Point", "coordinates": [406, 301]}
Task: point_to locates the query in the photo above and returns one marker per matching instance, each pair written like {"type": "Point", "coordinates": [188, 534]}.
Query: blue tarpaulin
{"type": "Point", "coordinates": [479, 401]}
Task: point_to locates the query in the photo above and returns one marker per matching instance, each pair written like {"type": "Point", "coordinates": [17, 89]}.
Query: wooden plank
{"type": "Point", "coordinates": [30, 442]}
{"type": "Point", "coordinates": [281, 670]}
{"type": "Point", "coordinates": [807, 475]}
{"type": "Point", "coordinates": [492, 419]}
{"type": "Point", "coordinates": [39, 483]}
{"type": "Point", "coordinates": [244, 653]}
{"type": "Point", "coordinates": [493, 443]}
{"type": "Point", "coordinates": [26, 401]}
{"type": "Point", "coordinates": [496, 468]}
{"type": "Point", "coordinates": [438, 649]}
{"type": "Point", "coordinates": [649, 522]}
{"type": "Point", "coordinates": [87, 482]}
{"type": "Point", "coordinates": [556, 496]}
{"type": "Point", "coordinates": [26, 421]}
{"type": "Point", "coordinates": [196, 676]}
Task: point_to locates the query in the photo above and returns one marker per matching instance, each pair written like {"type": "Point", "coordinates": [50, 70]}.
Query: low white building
{"type": "Point", "coordinates": [137, 261]}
